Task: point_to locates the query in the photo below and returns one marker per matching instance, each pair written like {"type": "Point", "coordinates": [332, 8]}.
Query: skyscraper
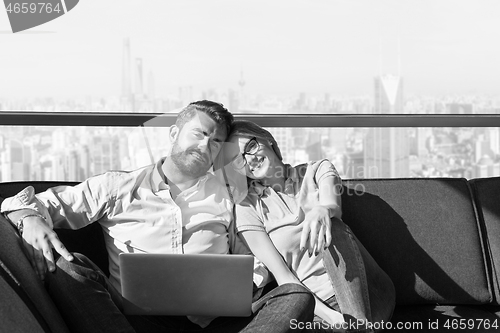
{"type": "Point", "coordinates": [241, 84]}
{"type": "Point", "coordinates": [12, 161]}
{"type": "Point", "coordinates": [105, 152]}
{"type": "Point", "coordinates": [387, 149]}
{"type": "Point", "coordinates": [126, 77]}
{"type": "Point", "coordinates": [138, 79]}
{"type": "Point", "coordinates": [283, 136]}
{"type": "Point", "coordinates": [313, 148]}
{"type": "Point", "coordinates": [151, 86]}
{"type": "Point", "coordinates": [72, 165]}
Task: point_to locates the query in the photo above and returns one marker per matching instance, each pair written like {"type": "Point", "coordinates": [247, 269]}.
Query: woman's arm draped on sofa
{"type": "Point", "coordinates": [321, 176]}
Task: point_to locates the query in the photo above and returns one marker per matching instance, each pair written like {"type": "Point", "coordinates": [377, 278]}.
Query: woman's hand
{"type": "Point", "coordinates": [317, 228]}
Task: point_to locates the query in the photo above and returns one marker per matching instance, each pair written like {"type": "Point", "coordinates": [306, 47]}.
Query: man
{"type": "Point", "coordinates": [174, 206]}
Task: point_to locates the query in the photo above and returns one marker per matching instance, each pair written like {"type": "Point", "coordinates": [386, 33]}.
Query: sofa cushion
{"type": "Point", "coordinates": [487, 194]}
{"type": "Point", "coordinates": [424, 234]}
{"type": "Point", "coordinates": [16, 264]}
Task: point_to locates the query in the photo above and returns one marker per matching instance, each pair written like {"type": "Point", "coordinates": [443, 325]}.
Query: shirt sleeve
{"type": "Point", "coordinates": [70, 207]}
{"type": "Point", "coordinates": [247, 217]}
{"type": "Point", "coordinates": [25, 199]}
{"type": "Point", "coordinates": [325, 169]}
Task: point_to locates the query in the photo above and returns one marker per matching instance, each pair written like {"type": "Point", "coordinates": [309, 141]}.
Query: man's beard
{"type": "Point", "coordinates": [188, 165]}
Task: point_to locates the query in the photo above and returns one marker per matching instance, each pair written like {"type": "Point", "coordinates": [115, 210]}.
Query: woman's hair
{"type": "Point", "coordinates": [236, 180]}
{"type": "Point", "coordinates": [250, 129]}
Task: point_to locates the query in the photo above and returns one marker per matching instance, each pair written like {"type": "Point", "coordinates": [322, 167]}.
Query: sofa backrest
{"type": "Point", "coordinates": [424, 233]}
{"type": "Point", "coordinates": [487, 196]}
{"type": "Point", "coordinates": [88, 240]}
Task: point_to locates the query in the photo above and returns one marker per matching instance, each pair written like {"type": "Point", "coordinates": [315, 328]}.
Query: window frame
{"type": "Point", "coordinates": [130, 119]}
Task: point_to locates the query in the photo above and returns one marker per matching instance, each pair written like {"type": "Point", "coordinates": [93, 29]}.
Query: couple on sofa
{"type": "Point", "coordinates": [289, 218]}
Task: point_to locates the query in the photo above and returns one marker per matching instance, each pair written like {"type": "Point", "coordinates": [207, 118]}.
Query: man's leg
{"type": "Point", "coordinates": [86, 300]}
{"type": "Point", "coordinates": [362, 289]}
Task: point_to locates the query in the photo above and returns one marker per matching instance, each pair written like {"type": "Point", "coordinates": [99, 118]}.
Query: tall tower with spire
{"type": "Point", "coordinates": [241, 84]}
{"type": "Point", "coordinates": [126, 96]}
{"type": "Point", "coordinates": [387, 149]}
{"type": "Point", "coordinates": [138, 79]}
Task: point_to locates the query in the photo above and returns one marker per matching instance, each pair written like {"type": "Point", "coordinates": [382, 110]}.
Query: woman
{"type": "Point", "coordinates": [291, 221]}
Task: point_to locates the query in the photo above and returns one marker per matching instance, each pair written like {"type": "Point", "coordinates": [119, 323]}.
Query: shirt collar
{"type": "Point", "coordinates": [158, 178]}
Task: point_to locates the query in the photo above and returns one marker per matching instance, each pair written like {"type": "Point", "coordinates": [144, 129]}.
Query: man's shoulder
{"type": "Point", "coordinates": [121, 177]}
{"type": "Point", "coordinates": [124, 174]}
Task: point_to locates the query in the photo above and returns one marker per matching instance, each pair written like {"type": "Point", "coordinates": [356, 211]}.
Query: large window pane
{"type": "Point", "coordinates": [75, 153]}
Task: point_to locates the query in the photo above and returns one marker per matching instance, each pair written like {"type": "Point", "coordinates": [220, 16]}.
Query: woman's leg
{"type": "Point", "coordinates": [364, 292]}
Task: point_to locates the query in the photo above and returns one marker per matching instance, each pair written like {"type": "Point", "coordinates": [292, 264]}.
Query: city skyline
{"type": "Point", "coordinates": [74, 153]}
{"type": "Point", "coordinates": [282, 47]}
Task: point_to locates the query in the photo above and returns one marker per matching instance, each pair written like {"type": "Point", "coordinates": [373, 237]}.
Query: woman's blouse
{"type": "Point", "coordinates": [281, 213]}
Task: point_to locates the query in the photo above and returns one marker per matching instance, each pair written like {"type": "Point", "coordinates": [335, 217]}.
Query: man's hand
{"type": "Point", "coordinates": [38, 239]}
{"type": "Point", "coordinates": [317, 229]}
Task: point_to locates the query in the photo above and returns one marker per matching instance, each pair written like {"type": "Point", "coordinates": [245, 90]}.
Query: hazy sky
{"type": "Point", "coordinates": [282, 46]}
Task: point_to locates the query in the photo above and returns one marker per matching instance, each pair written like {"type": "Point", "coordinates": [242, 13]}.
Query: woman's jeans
{"type": "Point", "coordinates": [363, 291]}
{"type": "Point", "coordinates": [89, 303]}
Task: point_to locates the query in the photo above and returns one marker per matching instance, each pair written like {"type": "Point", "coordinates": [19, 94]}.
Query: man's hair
{"type": "Point", "coordinates": [215, 111]}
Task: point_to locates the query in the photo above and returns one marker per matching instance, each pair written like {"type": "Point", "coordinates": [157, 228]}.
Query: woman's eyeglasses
{"type": "Point", "coordinates": [250, 148]}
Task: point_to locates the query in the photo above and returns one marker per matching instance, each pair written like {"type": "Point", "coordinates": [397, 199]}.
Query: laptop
{"type": "Point", "coordinates": [187, 284]}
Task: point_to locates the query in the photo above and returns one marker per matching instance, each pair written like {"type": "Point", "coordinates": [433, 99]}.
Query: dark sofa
{"type": "Point", "coordinates": [438, 239]}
